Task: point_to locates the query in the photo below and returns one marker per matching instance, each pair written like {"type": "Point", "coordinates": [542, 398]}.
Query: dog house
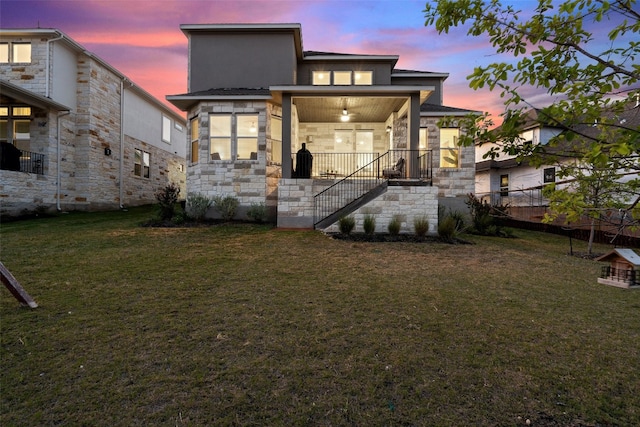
{"type": "Point", "coordinates": [622, 270]}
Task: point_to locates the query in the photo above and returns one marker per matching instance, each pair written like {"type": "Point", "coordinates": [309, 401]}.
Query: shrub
{"type": "Point", "coordinates": [484, 217]}
{"type": "Point", "coordinates": [394, 225]}
{"type": "Point", "coordinates": [346, 224]}
{"type": "Point", "coordinates": [167, 198]}
{"type": "Point", "coordinates": [369, 224]}
{"type": "Point", "coordinates": [447, 228]}
{"type": "Point", "coordinates": [257, 212]}
{"type": "Point", "coordinates": [225, 206]}
{"type": "Point", "coordinates": [421, 225]}
{"type": "Point", "coordinates": [197, 206]}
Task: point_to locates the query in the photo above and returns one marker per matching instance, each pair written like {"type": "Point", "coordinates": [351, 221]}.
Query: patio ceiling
{"type": "Point", "coordinates": [360, 109]}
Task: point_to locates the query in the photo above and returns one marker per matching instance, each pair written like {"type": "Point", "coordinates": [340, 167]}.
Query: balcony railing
{"type": "Point", "coordinates": [17, 160]}
{"type": "Point", "coordinates": [418, 164]}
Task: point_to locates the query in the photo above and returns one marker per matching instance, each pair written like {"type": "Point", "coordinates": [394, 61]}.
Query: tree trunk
{"type": "Point", "coordinates": [591, 235]}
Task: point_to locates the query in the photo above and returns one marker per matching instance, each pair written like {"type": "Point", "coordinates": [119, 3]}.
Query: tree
{"type": "Point", "coordinates": [592, 82]}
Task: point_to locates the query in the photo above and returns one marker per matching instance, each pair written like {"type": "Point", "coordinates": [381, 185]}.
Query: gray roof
{"type": "Point", "coordinates": [628, 254]}
{"type": "Point", "coordinates": [443, 110]}
{"type": "Point", "coordinates": [232, 91]}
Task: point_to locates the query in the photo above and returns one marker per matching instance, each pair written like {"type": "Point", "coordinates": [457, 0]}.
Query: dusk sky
{"type": "Point", "coordinates": [142, 39]}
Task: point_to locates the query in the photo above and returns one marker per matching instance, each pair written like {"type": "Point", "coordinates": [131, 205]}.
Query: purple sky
{"type": "Point", "coordinates": [142, 38]}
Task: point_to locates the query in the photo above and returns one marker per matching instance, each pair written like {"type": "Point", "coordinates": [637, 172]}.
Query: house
{"type": "Point", "coordinates": [507, 180]}
{"type": "Point", "coordinates": [76, 134]}
{"type": "Point", "coordinates": [309, 134]}
{"type": "Point", "coordinates": [623, 269]}
{"type": "Point", "coordinates": [517, 184]}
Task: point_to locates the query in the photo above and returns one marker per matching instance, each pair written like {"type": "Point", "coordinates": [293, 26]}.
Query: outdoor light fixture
{"type": "Point", "coordinates": [388, 129]}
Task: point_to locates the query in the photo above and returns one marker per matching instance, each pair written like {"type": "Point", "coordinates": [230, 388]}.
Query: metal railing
{"type": "Point", "coordinates": [354, 186]}
{"type": "Point", "coordinates": [22, 161]}
{"type": "Point", "coordinates": [418, 164]}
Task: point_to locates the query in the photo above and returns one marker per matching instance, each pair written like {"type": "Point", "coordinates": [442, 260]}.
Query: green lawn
{"type": "Point", "coordinates": [252, 326]}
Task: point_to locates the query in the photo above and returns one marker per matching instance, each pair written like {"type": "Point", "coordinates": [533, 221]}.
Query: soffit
{"type": "Point", "coordinates": [360, 109]}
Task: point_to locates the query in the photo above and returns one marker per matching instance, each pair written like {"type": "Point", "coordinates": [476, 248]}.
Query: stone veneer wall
{"type": "Point", "coordinates": [296, 205]}
{"type": "Point", "coordinates": [89, 179]}
{"type": "Point", "coordinates": [244, 179]}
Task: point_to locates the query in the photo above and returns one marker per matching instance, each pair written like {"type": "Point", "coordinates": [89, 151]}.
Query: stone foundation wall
{"type": "Point", "coordinates": [296, 205]}
{"type": "Point", "coordinates": [407, 202]}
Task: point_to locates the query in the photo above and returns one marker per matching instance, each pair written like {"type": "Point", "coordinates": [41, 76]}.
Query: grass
{"type": "Point", "coordinates": [246, 325]}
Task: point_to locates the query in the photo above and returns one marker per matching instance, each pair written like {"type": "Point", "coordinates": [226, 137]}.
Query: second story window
{"type": "Point", "coordinates": [166, 129]}
{"type": "Point", "coordinates": [341, 78]}
{"type": "Point", "coordinates": [15, 53]}
{"type": "Point", "coordinates": [321, 78]}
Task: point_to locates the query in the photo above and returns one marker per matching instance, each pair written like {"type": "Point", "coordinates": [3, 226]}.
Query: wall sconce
{"type": "Point", "coordinates": [107, 151]}
{"type": "Point", "coordinates": [388, 129]}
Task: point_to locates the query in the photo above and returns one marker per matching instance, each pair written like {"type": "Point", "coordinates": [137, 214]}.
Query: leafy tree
{"type": "Point", "coordinates": [591, 78]}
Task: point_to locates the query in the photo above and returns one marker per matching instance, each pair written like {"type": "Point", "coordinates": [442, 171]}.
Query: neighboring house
{"type": "Point", "coordinates": [76, 134]}
{"type": "Point", "coordinates": [506, 181]}
{"type": "Point", "coordinates": [314, 135]}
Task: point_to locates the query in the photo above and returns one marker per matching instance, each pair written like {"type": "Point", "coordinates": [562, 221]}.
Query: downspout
{"type": "Point", "coordinates": [121, 172]}
{"type": "Point", "coordinates": [58, 172]}
{"type": "Point", "coordinates": [47, 72]}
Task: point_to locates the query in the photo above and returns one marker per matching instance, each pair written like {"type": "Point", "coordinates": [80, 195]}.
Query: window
{"type": "Point", "coordinates": [4, 53]}
{"type": "Point", "coordinates": [423, 141]}
{"type": "Point", "coordinates": [195, 137]}
{"type": "Point", "coordinates": [141, 165]}
{"type": "Point", "coordinates": [233, 137]}
{"type": "Point", "coordinates": [504, 185]}
{"type": "Point", "coordinates": [166, 129]}
{"type": "Point", "coordinates": [21, 53]}
{"type": "Point", "coordinates": [15, 126]}
{"type": "Point", "coordinates": [15, 53]}
{"type": "Point", "coordinates": [549, 175]}
{"type": "Point", "coordinates": [449, 150]}
{"type": "Point", "coordinates": [220, 136]}
{"type": "Point", "coordinates": [276, 139]}
{"type": "Point", "coordinates": [363, 78]}
{"type": "Point", "coordinates": [247, 130]}
{"type": "Point", "coordinates": [342, 77]}
{"type": "Point", "coordinates": [321, 78]}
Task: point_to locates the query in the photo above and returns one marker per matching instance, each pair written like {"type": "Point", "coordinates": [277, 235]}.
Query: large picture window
{"type": "Point", "coordinates": [449, 150]}
{"type": "Point", "coordinates": [233, 137]}
{"type": "Point", "coordinates": [220, 136]}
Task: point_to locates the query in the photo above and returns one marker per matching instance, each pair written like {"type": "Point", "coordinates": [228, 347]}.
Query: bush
{"type": "Point", "coordinates": [257, 212]}
{"type": "Point", "coordinates": [447, 228]}
{"type": "Point", "coordinates": [421, 225]}
{"type": "Point", "coordinates": [226, 206]}
{"type": "Point", "coordinates": [394, 225]}
{"type": "Point", "coordinates": [346, 224]}
{"type": "Point", "coordinates": [197, 206]}
{"type": "Point", "coordinates": [167, 198]}
{"type": "Point", "coordinates": [369, 224]}
{"type": "Point", "coordinates": [484, 217]}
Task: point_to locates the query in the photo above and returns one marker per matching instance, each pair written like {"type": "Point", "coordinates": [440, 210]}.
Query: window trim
{"type": "Point", "coordinates": [166, 128]}
{"type": "Point", "coordinates": [11, 52]}
{"type": "Point", "coordinates": [142, 171]}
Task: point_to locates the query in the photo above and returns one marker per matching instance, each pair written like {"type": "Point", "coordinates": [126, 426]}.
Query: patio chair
{"type": "Point", "coordinates": [395, 172]}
